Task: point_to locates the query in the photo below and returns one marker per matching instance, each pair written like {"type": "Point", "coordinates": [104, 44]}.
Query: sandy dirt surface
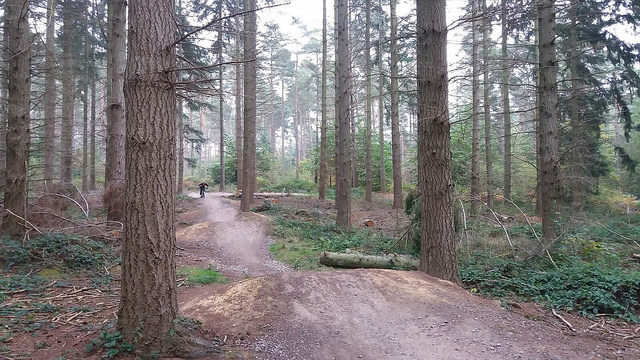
{"type": "Point", "coordinates": [362, 314]}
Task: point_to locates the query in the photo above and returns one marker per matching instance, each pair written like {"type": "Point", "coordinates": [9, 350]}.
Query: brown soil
{"type": "Point", "coordinates": [269, 311]}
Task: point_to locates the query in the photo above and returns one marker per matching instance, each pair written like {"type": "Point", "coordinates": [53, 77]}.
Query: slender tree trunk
{"type": "Point", "coordinates": [85, 106]}
{"type": "Point", "coordinates": [221, 104]}
{"type": "Point", "coordinates": [548, 95]}
{"type": "Point", "coordinates": [283, 128]}
{"type": "Point", "coordinates": [249, 152]}
{"type": "Point", "coordinates": [238, 99]}
{"type": "Point", "coordinates": [343, 160]}
{"type": "Point", "coordinates": [50, 96]}
{"type": "Point", "coordinates": [395, 118]}
{"type": "Point", "coordinates": [114, 164]}
{"type": "Point", "coordinates": [438, 255]}
{"type": "Point", "coordinates": [577, 125]}
{"type": "Point", "coordinates": [66, 136]}
{"type": "Point", "coordinates": [180, 137]}
{"type": "Point", "coordinates": [475, 112]}
{"type": "Point", "coordinates": [487, 103]}
{"type": "Point", "coordinates": [506, 105]}
{"type": "Point", "coordinates": [383, 172]}
{"type": "Point", "coordinates": [92, 127]}
{"type": "Point", "coordinates": [296, 121]}
{"type": "Point", "coordinates": [17, 136]}
{"type": "Point", "coordinates": [4, 103]}
{"type": "Point", "coordinates": [148, 301]}
{"type": "Point", "coordinates": [323, 127]}
{"type": "Point", "coordinates": [367, 136]}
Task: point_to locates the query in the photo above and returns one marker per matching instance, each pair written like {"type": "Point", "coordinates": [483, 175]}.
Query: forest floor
{"type": "Point", "coordinates": [269, 311]}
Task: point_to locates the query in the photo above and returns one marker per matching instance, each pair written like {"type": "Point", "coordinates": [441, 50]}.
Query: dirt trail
{"type": "Point", "coordinates": [359, 314]}
{"type": "Point", "coordinates": [236, 243]}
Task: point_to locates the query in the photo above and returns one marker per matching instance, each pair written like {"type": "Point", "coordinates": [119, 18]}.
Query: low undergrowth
{"type": "Point", "coordinates": [301, 235]}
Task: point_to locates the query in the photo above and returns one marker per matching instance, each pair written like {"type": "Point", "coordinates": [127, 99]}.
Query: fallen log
{"type": "Point", "coordinates": [356, 260]}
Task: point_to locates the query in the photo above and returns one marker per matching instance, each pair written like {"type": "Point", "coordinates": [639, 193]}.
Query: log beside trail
{"type": "Point", "coordinates": [356, 260]}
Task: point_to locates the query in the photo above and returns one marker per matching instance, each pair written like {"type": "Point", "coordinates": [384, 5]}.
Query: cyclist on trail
{"type": "Point", "coordinates": [202, 186]}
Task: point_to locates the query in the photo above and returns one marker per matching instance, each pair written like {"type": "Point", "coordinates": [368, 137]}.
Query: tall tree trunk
{"type": "Point", "coordinates": [221, 104]}
{"type": "Point", "coordinates": [506, 104]}
{"type": "Point", "coordinates": [367, 137]}
{"type": "Point", "coordinates": [396, 156]}
{"type": "Point", "coordinates": [487, 103]}
{"type": "Point", "coordinates": [180, 147]}
{"type": "Point", "coordinates": [323, 127]}
{"type": "Point", "coordinates": [296, 121]}
{"type": "Point", "coordinates": [66, 136]}
{"type": "Point", "coordinates": [249, 151]}
{"type": "Point", "coordinates": [17, 138]}
{"type": "Point", "coordinates": [475, 111]}
{"type": "Point", "coordinates": [438, 255]}
{"type": "Point", "coordinates": [49, 96]}
{"type": "Point", "coordinates": [85, 105]}
{"type": "Point", "coordinates": [92, 127]}
{"type": "Point", "coordinates": [343, 160]}
{"type": "Point", "coordinates": [548, 95]}
{"type": "Point", "coordinates": [148, 301]}
{"type": "Point", "coordinates": [114, 162]}
{"type": "Point", "coordinates": [282, 128]}
{"type": "Point", "coordinates": [383, 172]}
{"type": "Point", "coordinates": [238, 102]}
{"type": "Point", "coordinates": [577, 125]}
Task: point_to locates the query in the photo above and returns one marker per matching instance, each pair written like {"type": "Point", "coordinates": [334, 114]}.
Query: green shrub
{"type": "Point", "coordinates": [201, 276]}
{"type": "Point", "coordinates": [586, 288]}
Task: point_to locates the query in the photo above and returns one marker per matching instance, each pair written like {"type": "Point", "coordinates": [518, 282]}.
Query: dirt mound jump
{"type": "Point", "coordinates": [373, 314]}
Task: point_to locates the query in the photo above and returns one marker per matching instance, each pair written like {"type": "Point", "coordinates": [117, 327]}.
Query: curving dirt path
{"type": "Point", "coordinates": [357, 314]}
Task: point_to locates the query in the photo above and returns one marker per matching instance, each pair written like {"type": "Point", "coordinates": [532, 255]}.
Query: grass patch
{"type": "Point", "coordinates": [201, 276]}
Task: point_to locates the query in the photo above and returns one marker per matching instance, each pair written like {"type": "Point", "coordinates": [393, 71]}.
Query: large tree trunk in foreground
{"type": "Point", "coordinates": [356, 260]}
{"type": "Point", "coordinates": [148, 305]}
{"type": "Point", "coordinates": [238, 100]}
{"type": "Point", "coordinates": [438, 255]}
{"type": "Point", "coordinates": [548, 115]}
{"type": "Point", "coordinates": [114, 164]}
{"type": "Point", "coordinates": [250, 73]}
{"type": "Point", "coordinates": [343, 121]}
{"type": "Point", "coordinates": [17, 140]}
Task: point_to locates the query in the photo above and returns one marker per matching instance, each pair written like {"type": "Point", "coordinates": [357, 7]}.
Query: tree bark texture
{"type": "Point", "coordinates": [367, 126]}
{"type": "Point", "coordinates": [250, 72]}
{"type": "Point", "coordinates": [506, 103]}
{"type": "Point", "coordinates": [49, 96]}
{"type": "Point", "coordinates": [180, 147]}
{"type": "Point", "coordinates": [92, 127]}
{"type": "Point", "coordinates": [114, 160]}
{"type": "Point", "coordinates": [486, 102]}
{"type": "Point", "coordinates": [323, 128]}
{"type": "Point", "coordinates": [548, 115]}
{"type": "Point", "coordinates": [85, 104]}
{"type": "Point", "coordinates": [475, 110]}
{"type": "Point", "coordinates": [343, 79]}
{"type": "Point", "coordinates": [18, 134]}
{"type": "Point", "coordinates": [438, 255]}
{"type": "Point", "coordinates": [148, 304]}
{"type": "Point", "coordinates": [66, 136]}
{"type": "Point", "coordinates": [396, 152]}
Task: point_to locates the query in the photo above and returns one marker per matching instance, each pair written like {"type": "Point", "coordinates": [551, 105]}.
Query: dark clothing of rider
{"type": "Point", "coordinates": [202, 186]}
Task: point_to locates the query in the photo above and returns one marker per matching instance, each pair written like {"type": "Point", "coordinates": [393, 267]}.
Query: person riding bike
{"type": "Point", "coordinates": [202, 186]}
